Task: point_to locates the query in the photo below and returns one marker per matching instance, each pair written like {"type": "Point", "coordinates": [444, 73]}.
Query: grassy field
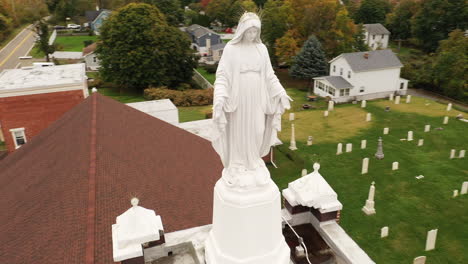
{"type": "Point", "coordinates": [192, 113]}
{"type": "Point", "coordinates": [208, 76]}
{"type": "Point", "coordinates": [124, 96]}
{"type": "Point", "coordinates": [410, 207]}
{"type": "Point", "coordinates": [72, 43]}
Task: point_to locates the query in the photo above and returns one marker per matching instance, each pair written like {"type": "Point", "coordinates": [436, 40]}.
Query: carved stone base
{"type": "Point", "coordinates": [369, 209]}
{"type": "Point", "coordinates": [246, 227]}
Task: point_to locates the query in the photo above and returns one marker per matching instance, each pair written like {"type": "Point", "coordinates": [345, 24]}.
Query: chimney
{"type": "Point", "coordinates": [366, 55]}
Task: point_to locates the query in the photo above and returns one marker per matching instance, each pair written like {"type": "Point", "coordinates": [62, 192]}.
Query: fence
{"type": "Point", "coordinates": [52, 38]}
{"type": "Point", "coordinates": [200, 80]}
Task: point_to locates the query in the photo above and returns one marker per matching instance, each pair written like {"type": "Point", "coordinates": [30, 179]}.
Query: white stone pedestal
{"type": "Point", "coordinates": [246, 226]}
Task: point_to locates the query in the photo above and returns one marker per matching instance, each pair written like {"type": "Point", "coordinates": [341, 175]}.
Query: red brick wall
{"type": "Point", "coordinates": [34, 112]}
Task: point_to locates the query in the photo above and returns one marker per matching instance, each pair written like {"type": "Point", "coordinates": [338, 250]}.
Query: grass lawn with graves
{"type": "Point", "coordinates": [409, 207]}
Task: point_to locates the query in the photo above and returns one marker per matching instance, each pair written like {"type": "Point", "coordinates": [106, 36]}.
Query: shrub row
{"type": "Point", "coordinates": [192, 97]}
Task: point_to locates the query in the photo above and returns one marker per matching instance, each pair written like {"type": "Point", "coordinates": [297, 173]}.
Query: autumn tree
{"type": "Point", "coordinates": [286, 48]}
{"type": "Point", "coordinates": [310, 62]}
{"type": "Point", "coordinates": [274, 25]}
{"type": "Point", "coordinates": [138, 49]}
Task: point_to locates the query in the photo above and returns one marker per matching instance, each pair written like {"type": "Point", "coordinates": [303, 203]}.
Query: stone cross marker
{"type": "Point", "coordinates": [309, 140]}
{"type": "Point", "coordinates": [386, 130]}
{"type": "Point", "coordinates": [349, 147]}
{"type": "Point", "coordinates": [420, 260]}
{"type": "Point", "coordinates": [379, 154]}
{"type": "Point", "coordinates": [427, 128]}
{"type": "Point", "coordinates": [464, 189]}
{"type": "Point", "coordinates": [368, 117]}
{"type": "Point", "coordinates": [420, 142]}
{"type": "Point", "coordinates": [390, 97]}
{"type": "Point", "coordinates": [304, 172]}
{"type": "Point", "coordinates": [325, 114]}
{"type": "Point", "coordinates": [408, 99]}
{"type": "Point", "coordinates": [384, 232]}
{"type": "Point", "coordinates": [446, 119]}
{"type": "Point", "coordinates": [431, 239]}
{"type": "Point", "coordinates": [395, 165]}
{"type": "Point", "coordinates": [461, 154]}
{"type": "Point", "coordinates": [331, 105]}
{"type": "Point", "coordinates": [339, 149]}
{"type": "Point", "coordinates": [363, 104]}
{"type": "Point", "coordinates": [397, 99]}
{"type": "Point", "coordinates": [369, 209]}
{"type": "Point", "coordinates": [365, 165]}
{"type": "Point", "coordinates": [452, 153]}
{"type": "Point", "coordinates": [291, 116]}
{"type": "Point", "coordinates": [410, 136]}
{"type": "Point", "coordinates": [363, 144]}
{"type": "Point", "coordinates": [292, 145]}
{"type": "Point", "coordinates": [449, 107]}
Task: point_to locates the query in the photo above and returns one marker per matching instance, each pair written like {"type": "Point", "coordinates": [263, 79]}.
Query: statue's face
{"type": "Point", "coordinates": [250, 34]}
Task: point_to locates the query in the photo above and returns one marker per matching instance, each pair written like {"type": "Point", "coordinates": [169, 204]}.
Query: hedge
{"type": "Point", "coordinates": [191, 97]}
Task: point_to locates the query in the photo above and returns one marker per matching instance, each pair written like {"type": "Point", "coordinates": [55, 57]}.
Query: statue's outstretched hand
{"type": "Point", "coordinates": [285, 101]}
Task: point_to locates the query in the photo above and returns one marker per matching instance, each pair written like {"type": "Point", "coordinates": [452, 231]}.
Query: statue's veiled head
{"type": "Point", "coordinates": [248, 29]}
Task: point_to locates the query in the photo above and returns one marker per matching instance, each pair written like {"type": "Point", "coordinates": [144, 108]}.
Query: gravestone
{"type": "Point", "coordinates": [384, 232]}
{"type": "Point", "coordinates": [452, 153]}
{"type": "Point", "coordinates": [431, 239]}
{"type": "Point", "coordinates": [369, 209]}
{"type": "Point", "coordinates": [455, 193]}
{"type": "Point", "coordinates": [420, 142]}
{"type": "Point", "coordinates": [420, 177]}
{"type": "Point", "coordinates": [420, 260]}
{"type": "Point", "coordinates": [385, 130]}
{"type": "Point", "coordinates": [461, 154]}
{"type": "Point", "coordinates": [363, 144]}
{"type": "Point", "coordinates": [464, 189]}
{"type": "Point", "coordinates": [365, 165]}
{"type": "Point", "coordinates": [368, 117]}
{"type": "Point", "coordinates": [379, 154]}
{"type": "Point", "coordinates": [408, 99]}
{"type": "Point", "coordinates": [325, 114]}
{"type": "Point", "coordinates": [339, 149]}
{"type": "Point", "coordinates": [363, 104]}
{"type": "Point", "coordinates": [410, 136]}
{"type": "Point", "coordinates": [395, 165]}
{"type": "Point", "coordinates": [331, 105]}
{"type": "Point", "coordinates": [387, 109]}
{"type": "Point", "coordinates": [397, 99]}
{"type": "Point", "coordinates": [292, 145]}
{"type": "Point", "coordinates": [390, 97]}
{"type": "Point", "coordinates": [304, 172]}
{"type": "Point", "coordinates": [349, 147]}
{"type": "Point", "coordinates": [291, 116]}
{"type": "Point", "coordinates": [446, 119]}
{"type": "Point", "coordinates": [309, 141]}
{"type": "Point", "coordinates": [427, 128]}
{"type": "Point", "coordinates": [449, 107]}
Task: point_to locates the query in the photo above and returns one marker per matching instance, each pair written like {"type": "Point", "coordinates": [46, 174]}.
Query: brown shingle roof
{"type": "Point", "coordinates": [44, 185]}
{"type": "Point", "coordinates": [89, 49]}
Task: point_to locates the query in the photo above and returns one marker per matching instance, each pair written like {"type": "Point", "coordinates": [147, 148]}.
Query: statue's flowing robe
{"type": "Point", "coordinates": [226, 93]}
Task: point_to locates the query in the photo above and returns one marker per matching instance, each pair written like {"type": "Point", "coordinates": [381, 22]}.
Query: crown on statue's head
{"type": "Point", "coordinates": [247, 16]}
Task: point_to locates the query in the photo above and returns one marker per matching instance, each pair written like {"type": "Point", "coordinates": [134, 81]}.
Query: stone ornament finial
{"type": "Point", "coordinates": [316, 167]}
{"type": "Point", "coordinates": [134, 201]}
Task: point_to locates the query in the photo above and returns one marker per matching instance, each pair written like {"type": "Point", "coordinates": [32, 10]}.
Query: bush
{"type": "Point", "coordinates": [87, 42]}
{"type": "Point", "coordinates": [211, 68]}
{"type": "Point", "coordinates": [181, 98]}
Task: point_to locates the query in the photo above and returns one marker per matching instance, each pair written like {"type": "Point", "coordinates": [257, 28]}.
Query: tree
{"type": "Point", "coordinates": [42, 31]}
{"type": "Point", "coordinates": [170, 8]}
{"type": "Point", "coordinates": [436, 19]}
{"type": "Point", "coordinates": [399, 21]}
{"type": "Point", "coordinates": [228, 12]}
{"type": "Point", "coordinates": [138, 49]}
{"type": "Point", "coordinates": [287, 47]}
{"type": "Point", "coordinates": [372, 11]}
{"type": "Point", "coordinates": [310, 62]}
{"type": "Point", "coordinates": [449, 68]}
{"type": "Point", "coordinates": [5, 26]}
{"type": "Point", "coordinates": [274, 25]}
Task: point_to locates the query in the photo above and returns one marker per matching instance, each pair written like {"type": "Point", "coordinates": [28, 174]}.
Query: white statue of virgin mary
{"type": "Point", "coordinates": [247, 107]}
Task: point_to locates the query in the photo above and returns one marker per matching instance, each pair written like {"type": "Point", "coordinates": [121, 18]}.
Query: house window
{"type": "Point", "coordinates": [344, 92]}
{"type": "Point", "coordinates": [341, 71]}
{"type": "Point", "coordinates": [331, 91]}
{"type": "Point", "coordinates": [349, 74]}
{"type": "Point", "coordinates": [361, 90]}
{"type": "Point", "coordinates": [402, 85]}
{"type": "Point", "coordinates": [373, 36]}
{"type": "Point", "coordinates": [341, 92]}
{"type": "Point", "coordinates": [382, 36]}
{"type": "Point", "coordinates": [19, 137]}
{"type": "Point", "coordinates": [334, 68]}
{"type": "Point", "coordinates": [94, 58]}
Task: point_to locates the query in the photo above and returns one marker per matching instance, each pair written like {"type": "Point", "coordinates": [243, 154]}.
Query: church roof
{"type": "Point", "coordinates": [62, 191]}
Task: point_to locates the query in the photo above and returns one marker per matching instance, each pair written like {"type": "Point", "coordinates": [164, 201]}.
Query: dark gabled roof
{"type": "Point", "coordinates": [91, 15]}
{"type": "Point", "coordinates": [78, 175]}
{"type": "Point", "coordinates": [377, 59]}
{"type": "Point", "coordinates": [89, 49]}
{"type": "Point", "coordinates": [377, 29]}
{"type": "Point", "coordinates": [336, 81]}
{"type": "Point", "coordinates": [198, 31]}
{"type": "Point", "coordinates": [218, 46]}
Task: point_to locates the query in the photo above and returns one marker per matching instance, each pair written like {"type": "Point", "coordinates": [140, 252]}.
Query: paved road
{"type": "Point", "coordinates": [19, 46]}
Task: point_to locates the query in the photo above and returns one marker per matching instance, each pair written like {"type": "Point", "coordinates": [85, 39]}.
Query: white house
{"type": "Point", "coordinates": [90, 57]}
{"type": "Point", "coordinates": [376, 36]}
{"type": "Point", "coordinates": [362, 76]}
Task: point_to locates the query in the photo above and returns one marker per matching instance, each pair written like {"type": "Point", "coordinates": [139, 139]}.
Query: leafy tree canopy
{"type": "Point", "coordinates": [310, 62]}
{"type": "Point", "coordinates": [372, 11]}
{"type": "Point", "coordinates": [170, 8]}
{"type": "Point", "coordinates": [228, 12]}
{"type": "Point", "coordinates": [399, 21]}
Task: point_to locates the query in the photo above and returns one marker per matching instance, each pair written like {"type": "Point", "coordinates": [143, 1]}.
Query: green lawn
{"type": "Point", "coordinates": [410, 207]}
{"type": "Point", "coordinates": [211, 77]}
{"type": "Point", "coordinates": [124, 96]}
{"type": "Point", "coordinates": [192, 113]}
{"type": "Point", "coordinates": [72, 43]}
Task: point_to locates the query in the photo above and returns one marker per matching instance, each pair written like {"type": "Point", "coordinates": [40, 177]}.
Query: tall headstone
{"type": "Point", "coordinates": [363, 103]}
{"type": "Point", "coordinates": [365, 165]}
{"type": "Point", "coordinates": [408, 99]}
{"type": "Point", "coordinates": [349, 147]}
{"type": "Point", "coordinates": [369, 209]}
{"type": "Point", "coordinates": [386, 130]}
{"type": "Point", "coordinates": [397, 99]}
{"type": "Point", "coordinates": [384, 232]}
{"type": "Point", "coordinates": [446, 119]}
{"type": "Point", "coordinates": [309, 140]}
{"type": "Point", "coordinates": [291, 116]}
{"type": "Point", "coordinates": [331, 105]}
{"type": "Point", "coordinates": [410, 136]}
{"type": "Point", "coordinates": [395, 165]}
{"type": "Point", "coordinates": [379, 154]}
{"type": "Point", "coordinates": [452, 153]}
{"type": "Point", "coordinates": [368, 117]}
{"type": "Point", "coordinates": [363, 144]}
{"type": "Point", "coordinates": [461, 155]}
{"type": "Point", "coordinates": [304, 172]}
{"type": "Point", "coordinates": [325, 113]}
{"type": "Point", "coordinates": [339, 149]}
{"type": "Point", "coordinates": [390, 97]}
{"type": "Point", "coordinates": [455, 193]}
{"type": "Point", "coordinates": [292, 145]}
{"type": "Point", "coordinates": [431, 239]}
{"type": "Point", "coordinates": [464, 188]}
{"type": "Point", "coordinates": [420, 142]}
{"type": "Point", "coordinates": [449, 107]}
{"type": "Point", "coordinates": [420, 260]}
{"type": "Point", "coordinates": [427, 128]}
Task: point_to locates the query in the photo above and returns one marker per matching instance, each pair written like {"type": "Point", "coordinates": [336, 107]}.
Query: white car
{"type": "Point", "coordinates": [73, 26]}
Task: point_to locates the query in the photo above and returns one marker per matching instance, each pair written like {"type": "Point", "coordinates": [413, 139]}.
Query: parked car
{"type": "Point", "coordinates": [73, 26]}
{"type": "Point", "coordinates": [59, 27]}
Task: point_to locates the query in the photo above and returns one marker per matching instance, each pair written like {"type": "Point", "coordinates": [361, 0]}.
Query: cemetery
{"type": "Point", "coordinates": [413, 185]}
